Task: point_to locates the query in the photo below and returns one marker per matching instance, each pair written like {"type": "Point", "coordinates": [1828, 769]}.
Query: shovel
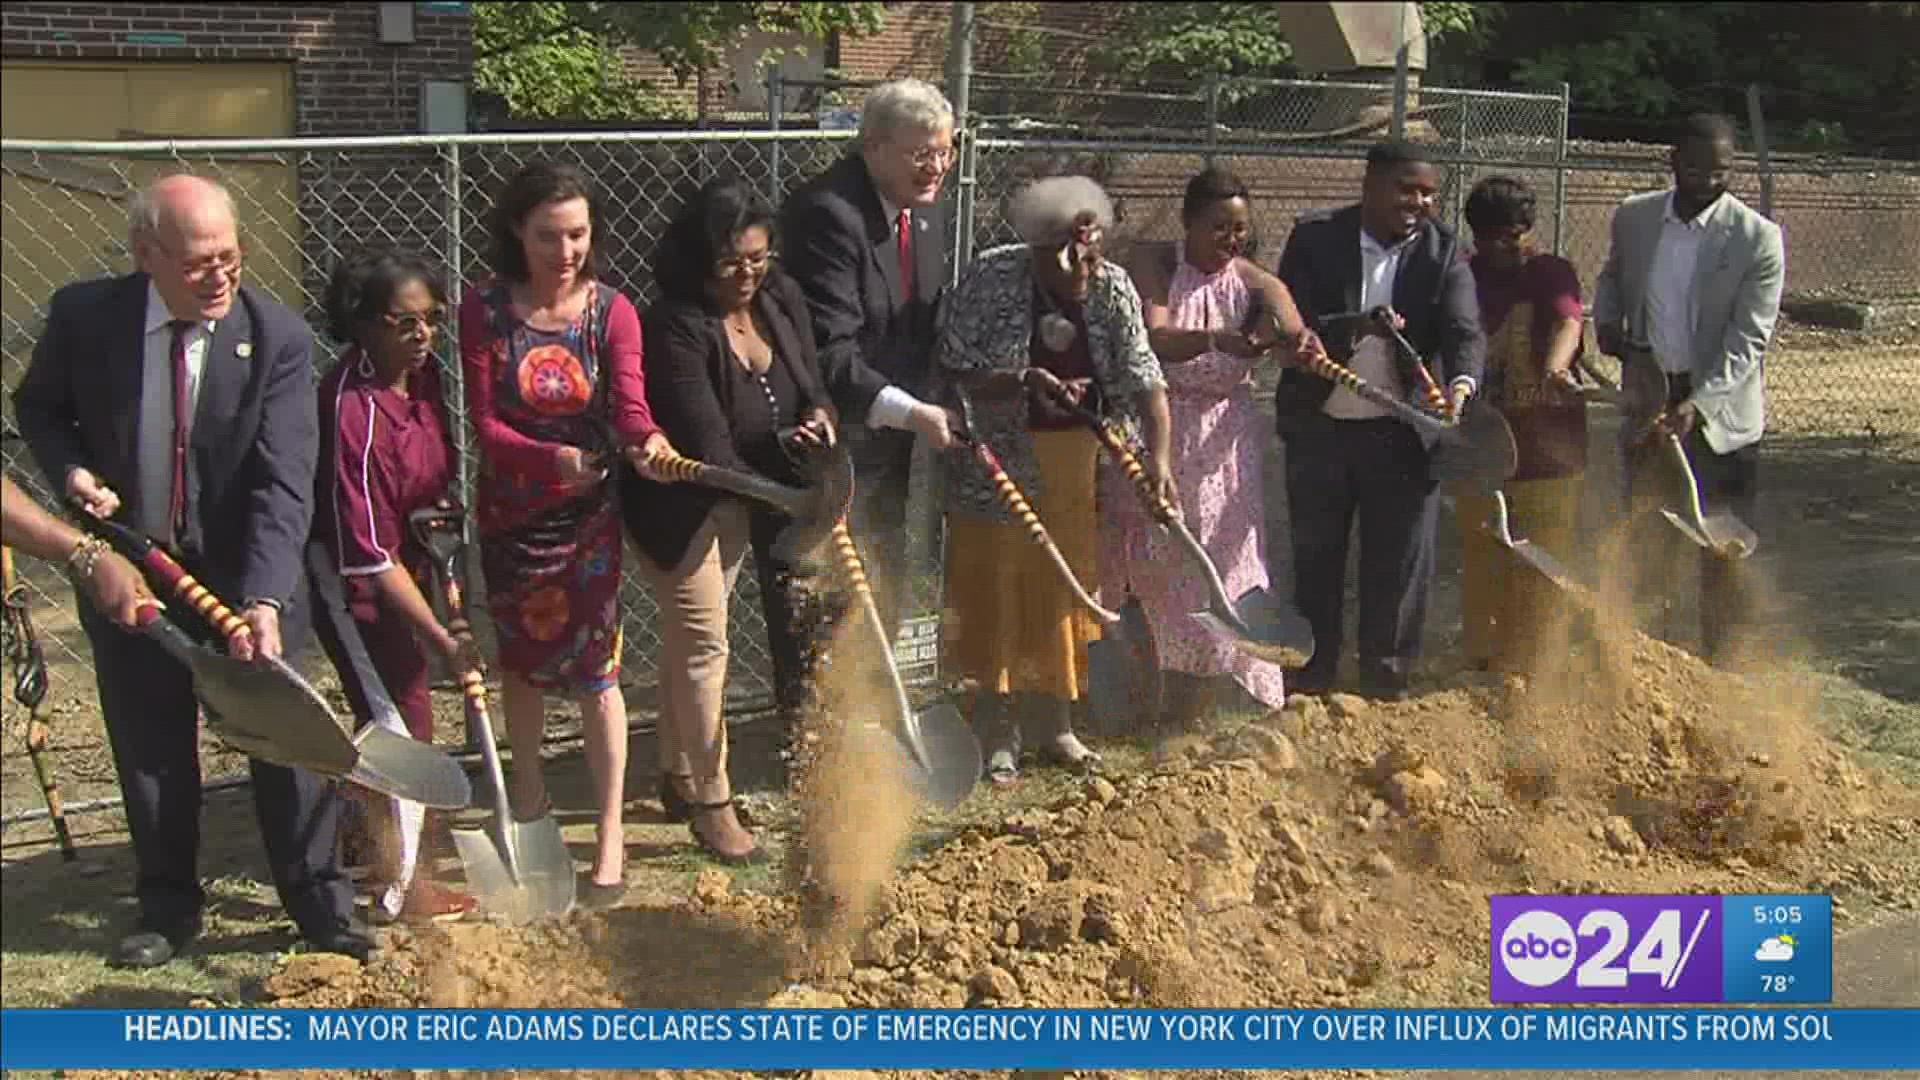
{"type": "Point", "coordinates": [519, 870]}
{"type": "Point", "coordinates": [408, 816]}
{"type": "Point", "coordinates": [1720, 532]}
{"type": "Point", "coordinates": [946, 754]}
{"type": "Point", "coordinates": [1531, 555]}
{"type": "Point", "coordinates": [1258, 623]}
{"type": "Point", "coordinates": [814, 509]}
{"type": "Point", "coordinates": [265, 709]}
{"type": "Point", "coordinates": [1475, 450]}
{"type": "Point", "coordinates": [1123, 666]}
{"type": "Point", "coordinates": [30, 690]}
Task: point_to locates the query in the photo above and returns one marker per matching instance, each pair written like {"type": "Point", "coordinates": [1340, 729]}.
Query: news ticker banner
{"type": "Point", "coordinates": [1661, 950]}
{"type": "Point", "coordinates": [784, 1039]}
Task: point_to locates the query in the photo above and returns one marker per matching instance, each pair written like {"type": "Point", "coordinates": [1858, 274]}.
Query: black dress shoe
{"type": "Point", "coordinates": [345, 939]}
{"type": "Point", "coordinates": [151, 948]}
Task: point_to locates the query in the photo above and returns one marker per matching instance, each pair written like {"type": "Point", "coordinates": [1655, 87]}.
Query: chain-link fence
{"type": "Point", "coordinates": [1851, 230]}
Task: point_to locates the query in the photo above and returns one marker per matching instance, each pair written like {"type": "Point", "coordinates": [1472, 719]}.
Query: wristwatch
{"type": "Point", "coordinates": [263, 601]}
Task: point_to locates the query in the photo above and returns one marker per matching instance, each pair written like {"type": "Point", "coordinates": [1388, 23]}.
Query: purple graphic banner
{"type": "Point", "coordinates": [1600, 948]}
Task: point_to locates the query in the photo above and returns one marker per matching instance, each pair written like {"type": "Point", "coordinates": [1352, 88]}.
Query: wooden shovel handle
{"type": "Point", "coordinates": [142, 550]}
{"type": "Point", "coordinates": [1017, 504]}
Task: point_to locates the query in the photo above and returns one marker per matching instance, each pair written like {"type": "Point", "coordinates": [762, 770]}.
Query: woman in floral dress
{"type": "Point", "coordinates": [554, 388]}
{"type": "Point", "coordinates": [1211, 317]}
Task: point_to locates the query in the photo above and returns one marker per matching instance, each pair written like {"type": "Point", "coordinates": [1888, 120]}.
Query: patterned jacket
{"type": "Point", "coordinates": [986, 325]}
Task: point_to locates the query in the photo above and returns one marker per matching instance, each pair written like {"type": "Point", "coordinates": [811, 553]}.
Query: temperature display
{"type": "Point", "coordinates": [1778, 948]}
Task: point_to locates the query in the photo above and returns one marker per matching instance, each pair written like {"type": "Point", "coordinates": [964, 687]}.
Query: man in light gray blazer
{"type": "Point", "coordinates": [1691, 289]}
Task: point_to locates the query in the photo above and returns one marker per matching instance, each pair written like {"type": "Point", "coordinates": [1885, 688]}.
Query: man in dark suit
{"type": "Point", "coordinates": [868, 243]}
{"type": "Point", "coordinates": [229, 492]}
{"type": "Point", "coordinates": [1346, 456]}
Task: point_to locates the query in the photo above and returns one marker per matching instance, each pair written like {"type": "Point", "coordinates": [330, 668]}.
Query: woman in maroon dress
{"type": "Point", "coordinates": [384, 454]}
{"type": "Point", "coordinates": [554, 389]}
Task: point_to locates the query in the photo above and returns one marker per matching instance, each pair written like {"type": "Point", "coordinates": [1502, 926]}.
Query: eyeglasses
{"type": "Point", "coordinates": [414, 323]}
{"type": "Point", "coordinates": [224, 262]}
{"type": "Point", "coordinates": [932, 158]}
{"type": "Point", "coordinates": [752, 264]}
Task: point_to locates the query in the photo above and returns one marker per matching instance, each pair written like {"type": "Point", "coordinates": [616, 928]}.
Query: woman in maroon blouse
{"type": "Point", "coordinates": [735, 382]}
{"type": "Point", "coordinates": [554, 389]}
{"type": "Point", "coordinates": [1531, 309]}
{"type": "Point", "coordinates": [383, 455]}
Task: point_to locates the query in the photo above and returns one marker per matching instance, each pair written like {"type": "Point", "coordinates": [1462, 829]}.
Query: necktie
{"type": "Point", "coordinates": [905, 232]}
{"type": "Point", "coordinates": [182, 425]}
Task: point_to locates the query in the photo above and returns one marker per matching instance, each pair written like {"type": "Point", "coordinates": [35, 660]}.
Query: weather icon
{"type": "Point", "coordinates": [1775, 949]}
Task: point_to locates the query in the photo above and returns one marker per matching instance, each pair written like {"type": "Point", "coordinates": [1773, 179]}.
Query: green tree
{"type": "Point", "coordinates": [1832, 75]}
{"type": "Point", "coordinates": [561, 61]}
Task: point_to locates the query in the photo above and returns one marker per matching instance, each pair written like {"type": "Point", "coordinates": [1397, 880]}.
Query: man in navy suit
{"type": "Point", "coordinates": [868, 240]}
{"type": "Point", "coordinates": [182, 402]}
{"type": "Point", "coordinates": [1347, 457]}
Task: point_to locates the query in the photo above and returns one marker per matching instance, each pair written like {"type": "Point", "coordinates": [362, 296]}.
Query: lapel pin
{"type": "Point", "coordinates": [244, 349]}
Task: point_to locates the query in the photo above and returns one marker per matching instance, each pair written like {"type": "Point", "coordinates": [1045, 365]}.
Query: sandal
{"type": "Point", "coordinates": [1068, 752]}
{"type": "Point", "coordinates": [754, 856]}
{"type": "Point", "coordinates": [1002, 769]}
{"type": "Point", "coordinates": [679, 808]}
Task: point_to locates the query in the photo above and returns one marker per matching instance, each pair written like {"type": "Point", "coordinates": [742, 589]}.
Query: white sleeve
{"type": "Point", "coordinates": [891, 408]}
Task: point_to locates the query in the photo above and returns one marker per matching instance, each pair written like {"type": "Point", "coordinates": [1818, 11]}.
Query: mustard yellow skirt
{"type": "Point", "coordinates": [1012, 625]}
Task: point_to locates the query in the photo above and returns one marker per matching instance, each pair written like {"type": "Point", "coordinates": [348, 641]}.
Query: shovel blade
{"type": "Point", "coordinates": [408, 769]}
{"type": "Point", "coordinates": [1478, 454]}
{"type": "Point", "coordinates": [490, 878]}
{"type": "Point", "coordinates": [1723, 534]}
{"type": "Point", "coordinates": [1537, 559]}
{"type": "Point", "coordinates": [1276, 631]}
{"type": "Point", "coordinates": [271, 712]}
{"type": "Point", "coordinates": [948, 760]}
{"type": "Point", "coordinates": [1110, 690]}
{"type": "Point", "coordinates": [545, 865]}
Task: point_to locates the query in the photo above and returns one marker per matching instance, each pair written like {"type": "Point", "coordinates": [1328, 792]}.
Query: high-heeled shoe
{"type": "Point", "coordinates": [679, 808]}
{"type": "Point", "coordinates": [754, 856]}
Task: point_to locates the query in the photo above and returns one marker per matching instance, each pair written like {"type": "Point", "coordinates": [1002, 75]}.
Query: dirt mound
{"type": "Point", "coordinates": [1336, 852]}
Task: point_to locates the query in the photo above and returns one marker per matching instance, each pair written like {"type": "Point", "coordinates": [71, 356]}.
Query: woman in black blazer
{"type": "Point", "coordinates": [733, 381]}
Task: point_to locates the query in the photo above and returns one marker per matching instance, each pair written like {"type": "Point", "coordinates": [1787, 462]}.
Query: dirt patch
{"type": "Point", "coordinates": [1329, 854]}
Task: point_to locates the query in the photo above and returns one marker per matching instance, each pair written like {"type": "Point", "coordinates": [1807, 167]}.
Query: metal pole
{"type": "Point", "coordinates": [960, 62]}
{"type": "Point", "coordinates": [1400, 78]}
{"type": "Point", "coordinates": [1758, 121]}
{"type": "Point", "coordinates": [1213, 116]}
{"type": "Point", "coordinates": [456, 392]}
{"type": "Point", "coordinates": [776, 108]}
{"type": "Point", "coordinates": [1560, 174]}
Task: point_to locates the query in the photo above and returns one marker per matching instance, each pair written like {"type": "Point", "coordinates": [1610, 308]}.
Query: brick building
{"type": "Point", "coordinates": [191, 71]}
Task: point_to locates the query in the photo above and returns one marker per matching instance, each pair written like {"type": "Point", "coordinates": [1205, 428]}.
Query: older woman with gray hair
{"type": "Point", "coordinates": [1027, 324]}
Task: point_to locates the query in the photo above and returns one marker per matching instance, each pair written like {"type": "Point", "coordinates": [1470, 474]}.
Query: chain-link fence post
{"type": "Point", "coordinates": [776, 111]}
{"type": "Point", "coordinates": [1561, 173]}
{"type": "Point", "coordinates": [1213, 117]}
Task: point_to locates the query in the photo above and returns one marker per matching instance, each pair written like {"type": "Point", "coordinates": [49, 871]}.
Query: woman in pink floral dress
{"type": "Point", "coordinates": [1207, 319]}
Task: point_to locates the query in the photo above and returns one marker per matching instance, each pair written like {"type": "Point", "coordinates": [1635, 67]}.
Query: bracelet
{"type": "Point", "coordinates": [84, 557]}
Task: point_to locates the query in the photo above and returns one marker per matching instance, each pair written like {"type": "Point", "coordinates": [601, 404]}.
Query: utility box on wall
{"type": "Point", "coordinates": [443, 107]}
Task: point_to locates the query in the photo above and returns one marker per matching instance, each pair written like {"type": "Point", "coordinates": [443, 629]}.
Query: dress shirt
{"type": "Point", "coordinates": [1671, 315]}
{"type": "Point", "coordinates": [1372, 358]}
{"type": "Point", "coordinates": [156, 395]}
{"type": "Point", "coordinates": [894, 406]}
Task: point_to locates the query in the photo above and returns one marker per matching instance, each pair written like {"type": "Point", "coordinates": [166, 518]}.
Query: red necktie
{"type": "Point", "coordinates": [182, 425]}
{"type": "Point", "coordinates": [906, 254]}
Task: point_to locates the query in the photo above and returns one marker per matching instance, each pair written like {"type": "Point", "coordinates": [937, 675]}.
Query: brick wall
{"type": "Point", "coordinates": [345, 82]}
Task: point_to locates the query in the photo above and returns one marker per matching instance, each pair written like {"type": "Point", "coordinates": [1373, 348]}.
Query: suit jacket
{"type": "Point", "coordinates": [253, 448]}
{"type": "Point", "coordinates": [692, 394]}
{"type": "Point", "coordinates": [1736, 292]}
{"type": "Point", "coordinates": [839, 246]}
{"type": "Point", "coordinates": [1434, 292]}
